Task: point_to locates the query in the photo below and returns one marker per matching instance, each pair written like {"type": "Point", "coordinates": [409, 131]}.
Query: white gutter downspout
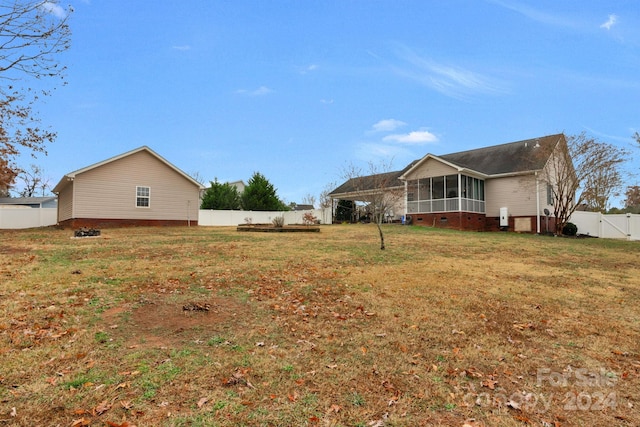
{"type": "Point", "coordinates": [537, 204]}
{"type": "Point", "coordinates": [406, 201]}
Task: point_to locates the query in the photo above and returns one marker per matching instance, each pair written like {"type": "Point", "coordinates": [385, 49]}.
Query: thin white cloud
{"type": "Point", "coordinates": [535, 14]}
{"type": "Point", "coordinates": [261, 91]}
{"type": "Point", "coordinates": [613, 19]}
{"type": "Point", "coordinates": [182, 47]}
{"type": "Point", "coordinates": [450, 80]}
{"type": "Point", "coordinates": [54, 9]}
{"type": "Point", "coordinates": [308, 69]}
{"type": "Point", "coordinates": [388, 125]}
{"type": "Point", "coordinates": [414, 138]}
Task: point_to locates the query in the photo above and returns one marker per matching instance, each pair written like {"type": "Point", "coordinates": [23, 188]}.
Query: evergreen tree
{"type": "Point", "coordinates": [221, 196]}
{"type": "Point", "coordinates": [345, 210]}
{"type": "Point", "coordinates": [260, 195]}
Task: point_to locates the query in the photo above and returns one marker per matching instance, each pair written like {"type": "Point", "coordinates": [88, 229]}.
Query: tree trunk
{"type": "Point", "coordinates": [381, 235]}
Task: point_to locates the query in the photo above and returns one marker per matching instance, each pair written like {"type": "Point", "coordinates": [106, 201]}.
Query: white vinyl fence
{"type": "Point", "coordinates": [23, 217]}
{"type": "Point", "coordinates": [233, 218]}
{"type": "Point", "coordinates": [613, 226]}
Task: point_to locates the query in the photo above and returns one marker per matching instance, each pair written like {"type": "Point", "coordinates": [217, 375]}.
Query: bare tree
{"type": "Point", "coordinates": [32, 35]}
{"type": "Point", "coordinates": [578, 169]}
{"type": "Point", "coordinates": [197, 176]}
{"type": "Point", "coordinates": [33, 182]}
{"type": "Point", "coordinates": [325, 199]}
{"type": "Point", "coordinates": [379, 188]}
{"type": "Point", "coordinates": [309, 199]}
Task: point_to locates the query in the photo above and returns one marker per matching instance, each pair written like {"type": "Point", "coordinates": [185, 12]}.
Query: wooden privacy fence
{"type": "Point", "coordinates": [207, 217]}
{"type": "Point", "coordinates": [612, 226]}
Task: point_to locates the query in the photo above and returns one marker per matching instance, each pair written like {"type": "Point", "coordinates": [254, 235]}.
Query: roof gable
{"type": "Point", "coordinates": [71, 175]}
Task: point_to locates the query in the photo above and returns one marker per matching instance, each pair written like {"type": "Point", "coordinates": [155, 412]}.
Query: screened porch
{"type": "Point", "coordinates": [450, 193]}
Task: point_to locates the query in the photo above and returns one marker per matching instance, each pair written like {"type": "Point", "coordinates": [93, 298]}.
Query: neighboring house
{"type": "Point", "coordinates": [490, 188]}
{"type": "Point", "coordinates": [301, 207]}
{"type": "Point", "coordinates": [240, 185]}
{"type": "Point", "coordinates": [29, 202]}
{"type": "Point", "coordinates": [138, 187]}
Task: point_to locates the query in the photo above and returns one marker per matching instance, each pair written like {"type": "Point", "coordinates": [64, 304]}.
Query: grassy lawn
{"type": "Point", "coordinates": [211, 327]}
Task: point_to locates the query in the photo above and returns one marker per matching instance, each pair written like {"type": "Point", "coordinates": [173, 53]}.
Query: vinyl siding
{"type": "Point", "coordinates": [65, 203]}
{"type": "Point", "coordinates": [432, 168]}
{"type": "Point", "coordinates": [517, 194]}
{"type": "Point", "coordinates": [109, 191]}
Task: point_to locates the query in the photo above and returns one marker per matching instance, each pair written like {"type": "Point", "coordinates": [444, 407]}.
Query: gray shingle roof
{"type": "Point", "coordinates": [505, 158]}
{"type": "Point", "coordinates": [371, 182]}
{"type": "Point", "coordinates": [513, 157]}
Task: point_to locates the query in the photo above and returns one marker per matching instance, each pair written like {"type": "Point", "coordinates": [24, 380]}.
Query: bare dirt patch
{"type": "Point", "coordinates": [157, 323]}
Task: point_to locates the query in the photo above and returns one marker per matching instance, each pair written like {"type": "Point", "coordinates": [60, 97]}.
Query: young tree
{"type": "Point", "coordinates": [221, 196]}
{"type": "Point", "coordinates": [379, 189]}
{"type": "Point", "coordinates": [577, 165]}
{"type": "Point", "coordinates": [260, 195]}
{"type": "Point", "coordinates": [32, 34]}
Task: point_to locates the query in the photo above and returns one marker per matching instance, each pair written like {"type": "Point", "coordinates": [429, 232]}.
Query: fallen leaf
{"type": "Point", "coordinates": [202, 401]}
{"type": "Point", "coordinates": [102, 407]}
{"type": "Point", "coordinates": [490, 383]}
{"type": "Point", "coordinates": [14, 412]}
{"type": "Point", "coordinates": [334, 408]}
{"type": "Point", "coordinates": [81, 422]}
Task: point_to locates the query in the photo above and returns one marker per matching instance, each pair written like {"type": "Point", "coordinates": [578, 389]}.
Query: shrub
{"type": "Point", "coordinates": [278, 221]}
{"type": "Point", "coordinates": [570, 229]}
{"type": "Point", "coordinates": [308, 218]}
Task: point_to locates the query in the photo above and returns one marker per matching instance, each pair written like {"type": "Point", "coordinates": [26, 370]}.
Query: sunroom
{"type": "Point", "coordinates": [447, 193]}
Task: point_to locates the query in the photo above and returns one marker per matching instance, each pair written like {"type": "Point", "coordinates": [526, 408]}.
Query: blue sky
{"type": "Point", "coordinates": [297, 90]}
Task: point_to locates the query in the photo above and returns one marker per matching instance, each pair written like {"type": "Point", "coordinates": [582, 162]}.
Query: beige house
{"type": "Point", "coordinates": [491, 188]}
{"type": "Point", "coordinates": [135, 188]}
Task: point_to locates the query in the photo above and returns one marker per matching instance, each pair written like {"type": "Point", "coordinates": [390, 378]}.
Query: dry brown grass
{"type": "Point", "coordinates": [321, 329]}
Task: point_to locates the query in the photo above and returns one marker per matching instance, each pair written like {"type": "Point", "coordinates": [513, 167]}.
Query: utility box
{"type": "Point", "coordinates": [504, 217]}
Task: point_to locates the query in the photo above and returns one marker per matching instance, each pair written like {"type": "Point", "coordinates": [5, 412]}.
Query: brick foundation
{"type": "Point", "coordinates": [468, 221]}
{"type": "Point", "coordinates": [453, 220]}
{"type": "Point", "coordinates": [117, 223]}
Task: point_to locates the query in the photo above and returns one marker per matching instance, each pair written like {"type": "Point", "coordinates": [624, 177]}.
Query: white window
{"type": "Point", "coordinates": [550, 195]}
{"type": "Point", "coordinates": [143, 196]}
